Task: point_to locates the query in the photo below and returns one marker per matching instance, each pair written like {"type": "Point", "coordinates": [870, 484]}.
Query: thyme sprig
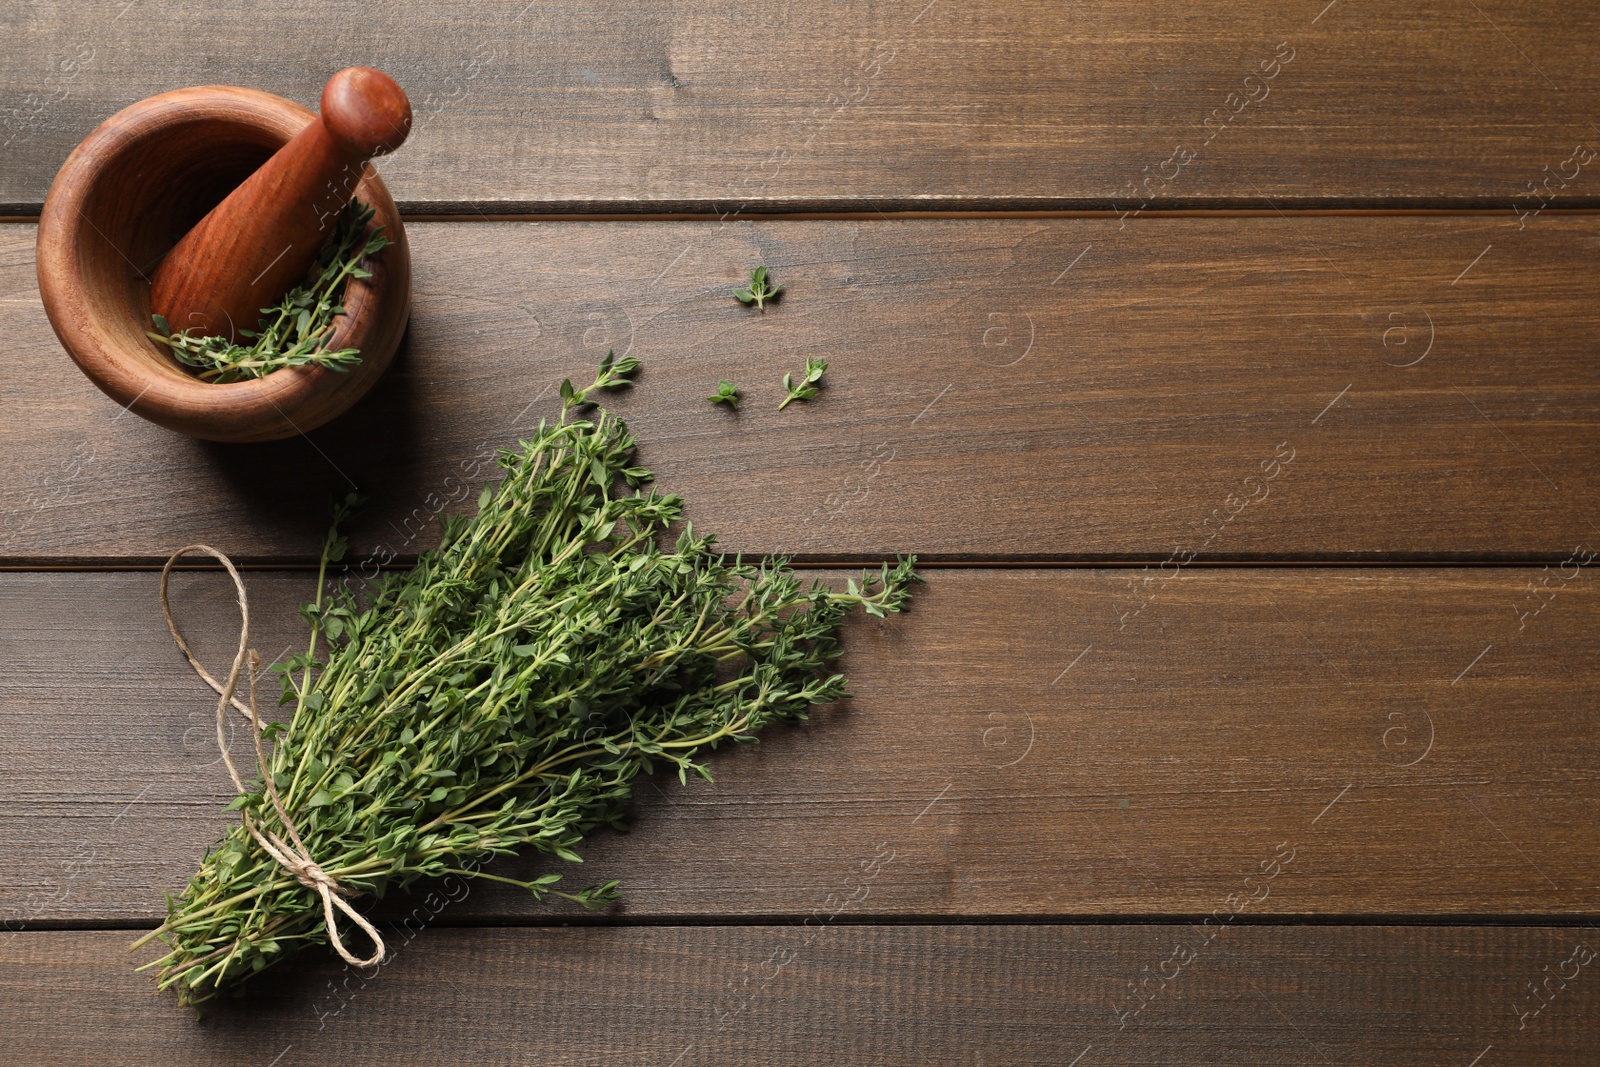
{"type": "Point", "coordinates": [760, 292]}
{"type": "Point", "coordinates": [727, 393]}
{"type": "Point", "coordinates": [809, 384]}
{"type": "Point", "coordinates": [504, 693]}
{"type": "Point", "coordinates": [295, 331]}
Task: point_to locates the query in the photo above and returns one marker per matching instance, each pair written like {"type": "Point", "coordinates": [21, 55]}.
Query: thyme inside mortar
{"type": "Point", "coordinates": [295, 331]}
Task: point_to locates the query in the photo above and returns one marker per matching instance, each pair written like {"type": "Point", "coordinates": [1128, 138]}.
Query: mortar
{"type": "Point", "coordinates": [126, 195]}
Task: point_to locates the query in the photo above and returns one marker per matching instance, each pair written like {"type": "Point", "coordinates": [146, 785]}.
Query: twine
{"type": "Point", "coordinates": [292, 855]}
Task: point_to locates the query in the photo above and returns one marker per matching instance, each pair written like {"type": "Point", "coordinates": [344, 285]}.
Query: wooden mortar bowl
{"type": "Point", "coordinates": [126, 195]}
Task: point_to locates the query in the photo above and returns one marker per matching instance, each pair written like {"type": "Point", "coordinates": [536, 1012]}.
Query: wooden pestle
{"type": "Point", "coordinates": [259, 243]}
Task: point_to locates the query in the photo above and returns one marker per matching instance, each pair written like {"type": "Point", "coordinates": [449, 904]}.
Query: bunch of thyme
{"type": "Point", "coordinates": [295, 331]}
{"type": "Point", "coordinates": [505, 693]}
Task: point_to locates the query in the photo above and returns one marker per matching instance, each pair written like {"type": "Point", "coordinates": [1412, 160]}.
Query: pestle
{"type": "Point", "coordinates": [259, 242]}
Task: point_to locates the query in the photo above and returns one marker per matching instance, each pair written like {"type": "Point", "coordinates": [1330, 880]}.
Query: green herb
{"type": "Point", "coordinates": [815, 369]}
{"type": "Point", "coordinates": [613, 375]}
{"type": "Point", "coordinates": [295, 331]}
{"type": "Point", "coordinates": [504, 693]}
{"type": "Point", "coordinates": [759, 292]}
{"type": "Point", "coordinates": [727, 393]}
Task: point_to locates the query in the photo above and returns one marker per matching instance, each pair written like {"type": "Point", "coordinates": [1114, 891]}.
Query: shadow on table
{"type": "Point", "coordinates": [285, 488]}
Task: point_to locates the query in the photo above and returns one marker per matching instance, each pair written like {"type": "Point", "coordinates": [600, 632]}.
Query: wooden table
{"type": "Point", "coordinates": [1232, 369]}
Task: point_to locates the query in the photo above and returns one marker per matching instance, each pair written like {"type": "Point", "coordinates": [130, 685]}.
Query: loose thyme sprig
{"type": "Point", "coordinates": [613, 374]}
{"type": "Point", "coordinates": [727, 393]}
{"type": "Point", "coordinates": [759, 292]}
{"type": "Point", "coordinates": [504, 694]}
{"type": "Point", "coordinates": [292, 333]}
{"type": "Point", "coordinates": [815, 369]}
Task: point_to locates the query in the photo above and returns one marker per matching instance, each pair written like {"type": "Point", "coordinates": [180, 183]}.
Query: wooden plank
{"type": "Point", "coordinates": [1021, 390]}
{"type": "Point", "coordinates": [660, 106]}
{"type": "Point", "coordinates": [881, 995]}
{"type": "Point", "coordinates": [1393, 731]}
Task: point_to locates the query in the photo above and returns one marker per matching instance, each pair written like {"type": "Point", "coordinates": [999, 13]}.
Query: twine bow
{"type": "Point", "coordinates": [292, 855]}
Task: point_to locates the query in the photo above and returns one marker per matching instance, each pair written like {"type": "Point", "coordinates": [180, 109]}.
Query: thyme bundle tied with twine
{"type": "Point", "coordinates": [501, 695]}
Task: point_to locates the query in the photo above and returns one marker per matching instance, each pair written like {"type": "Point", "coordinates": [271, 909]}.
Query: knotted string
{"type": "Point", "coordinates": [292, 855]}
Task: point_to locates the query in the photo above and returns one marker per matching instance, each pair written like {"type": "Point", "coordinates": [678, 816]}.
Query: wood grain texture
{"type": "Point", "coordinates": [609, 106]}
{"type": "Point", "coordinates": [1016, 748]}
{"type": "Point", "coordinates": [1019, 390]}
{"type": "Point", "coordinates": [856, 995]}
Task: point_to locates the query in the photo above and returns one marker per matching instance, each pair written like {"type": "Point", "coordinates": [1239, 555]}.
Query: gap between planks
{"type": "Point", "coordinates": [823, 563]}
{"type": "Point", "coordinates": [496, 213]}
{"type": "Point", "coordinates": [1553, 921]}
